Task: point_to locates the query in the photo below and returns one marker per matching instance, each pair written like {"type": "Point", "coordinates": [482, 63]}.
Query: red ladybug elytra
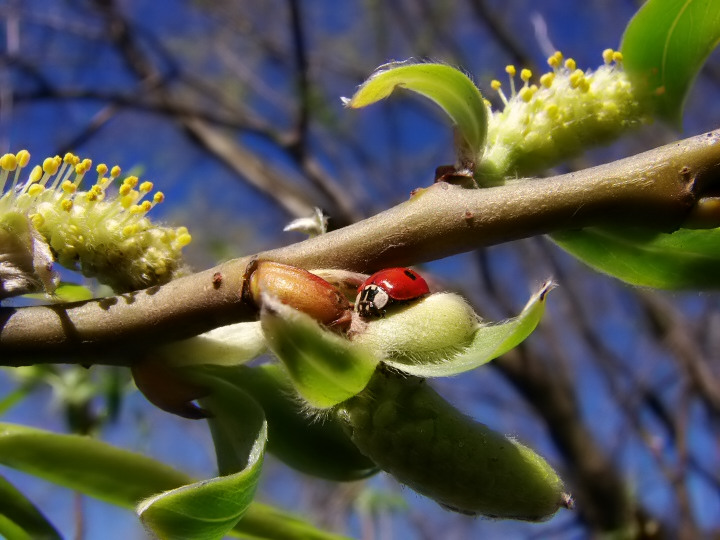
{"type": "Point", "coordinates": [387, 286]}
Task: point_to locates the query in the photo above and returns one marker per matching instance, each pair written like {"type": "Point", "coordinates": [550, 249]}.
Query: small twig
{"type": "Point", "coordinates": [656, 189]}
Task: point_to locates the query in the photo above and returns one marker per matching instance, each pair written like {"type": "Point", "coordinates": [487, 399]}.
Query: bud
{"type": "Point", "coordinates": [414, 434]}
{"type": "Point", "coordinates": [301, 290]}
{"type": "Point", "coordinates": [429, 330]}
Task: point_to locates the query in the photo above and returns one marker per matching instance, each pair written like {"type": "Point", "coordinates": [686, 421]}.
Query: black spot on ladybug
{"type": "Point", "coordinates": [411, 275]}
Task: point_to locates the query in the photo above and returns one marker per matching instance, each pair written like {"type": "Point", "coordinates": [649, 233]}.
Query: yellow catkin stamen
{"type": "Point", "coordinates": [129, 199]}
{"type": "Point", "coordinates": [576, 77]}
{"type": "Point", "coordinates": [552, 110]}
{"type": "Point", "coordinates": [124, 190]}
{"type": "Point", "coordinates": [115, 171]}
{"type": "Point", "coordinates": [511, 71]}
{"type": "Point", "coordinates": [617, 57]}
{"type": "Point", "coordinates": [102, 170]}
{"type": "Point", "coordinates": [146, 187]}
{"type": "Point", "coordinates": [570, 64]}
{"type": "Point", "coordinates": [526, 94]}
{"type": "Point", "coordinates": [37, 220]}
{"type": "Point", "coordinates": [9, 162]}
{"type": "Point", "coordinates": [554, 61]}
{"type": "Point", "coordinates": [131, 181]}
{"type": "Point", "coordinates": [607, 56]}
{"type": "Point", "coordinates": [68, 158]}
{"type": "Point", "coordinates": [547, 79]}
{"type": "Point", "coordinates": [66, 204]}
{"type": "Point", "coordinates": [525, 75]}
{"type": "Point", "coordinates": [496, 85]}
{"type": "Point", "coordinates": [158, 197]}
{"type": "Point", "coordinates": [584, 84]}
{"type": "Point", "coordinates": [129, 230]}
{"type": "Point", "coordinates": [35, 190]}
{"type": "Point", "coordinates": [50, 166]}
{"type": "Point", "coordinates": [36, 174]}
{"type": "Point", "coordinates": [183, 239]}
{"type": "Point", "coordinates": [91, 196]}
{"type": "Point", "coordinates": [23, 158]}
{"type": "Point", "coordinates": [68, 187]}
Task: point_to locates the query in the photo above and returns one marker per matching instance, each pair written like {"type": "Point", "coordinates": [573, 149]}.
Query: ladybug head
{"type": "Point", "coordinates": [371, 301]}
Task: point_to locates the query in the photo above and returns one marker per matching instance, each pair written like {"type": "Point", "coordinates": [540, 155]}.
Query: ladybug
{"type": "Point", "coordinates": [388, 286]}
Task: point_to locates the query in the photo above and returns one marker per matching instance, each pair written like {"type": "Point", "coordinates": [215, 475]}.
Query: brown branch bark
{"type": "Point", "coordinates": [657, 188]}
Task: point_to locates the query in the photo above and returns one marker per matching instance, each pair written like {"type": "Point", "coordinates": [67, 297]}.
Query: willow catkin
{"type": "Point", "coordinates": [423, 441]}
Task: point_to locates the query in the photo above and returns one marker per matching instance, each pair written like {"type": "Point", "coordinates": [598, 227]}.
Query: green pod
{"type": "Point", "coordinates": [314, 446]}
{"type": "Point", "coordinates": [414, 434]}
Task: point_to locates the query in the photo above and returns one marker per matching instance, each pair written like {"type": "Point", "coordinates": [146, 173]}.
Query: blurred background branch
{"type": "Point", "coordinates": [233, 109]}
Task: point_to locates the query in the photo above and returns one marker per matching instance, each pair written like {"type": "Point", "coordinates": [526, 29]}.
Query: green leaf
{"type": "Point", "coordinates": [449, 88]}
{"type": "Point", "coordinates": [318, 447]}
{"type": "Point", "coordinates": [20, 519]}
{"type": "Point", "coordinates": [66, 292]}
{"type": "Point", "coordinates": [124, 478]}
{"type": "Point", "coordinates": [210, 508]}
{"type": "Point", "coordinates": [227, 345]}
{"type": "Point", "coordinates": [13, 397]}
{"type": "Point", "coordinates": [325, 368]}
{"type": "Point", "coordinates": [665, 45]}
{"type": "Point", "coordinates": [684, 259]}
{"type": "Point", "coordinates": [489, 341]}
{"type": "Point", "coordinates": [86, 465]}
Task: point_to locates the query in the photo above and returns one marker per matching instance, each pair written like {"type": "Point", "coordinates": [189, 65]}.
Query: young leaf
{"type": "Point", "coordinates": [312, 446]}
{"type": "Point", "coordinates": [227, 345]}
{"type": "Point", "coordinates": [665, 45]}
{"type": "Point", "coordinates": [324, 367]}
{"type": "Point", "coordinates": [488, 342]}
{"type": "Point", "coordinates": [210, 508]}
{"type": "Point", "coordinates": [65, 292]}
{"type": "Point", "coordinates": [448, 87]}
{"type": "Point", "coordinates": [684, 259]}
{"type": "Point", "coordinates": [20, 519]}
{"type": "Point", "coordinates": [124, 478]}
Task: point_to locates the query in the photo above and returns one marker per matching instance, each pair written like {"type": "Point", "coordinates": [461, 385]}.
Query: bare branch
{"type": "Point", "coordinates": [653, 189]}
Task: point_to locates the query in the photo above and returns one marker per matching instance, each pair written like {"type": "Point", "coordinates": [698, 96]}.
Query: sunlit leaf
{"type": "Point", "coordinates": [324, 367]}
{"type": "Point", "coordinates": [20, 519]}
{"type": "Point", "coordinates": [449, 88]}
{"type": "Point", "coordinates": [684, 259]}
{"type": "Point", "coordinates": [124, 478]}
{"type": "Point", "coordinates": [665, 45]}
{"type": "Point", "coordinates": [208, 509]}
{"type": "Point", "coordinates": [489, 342]}
{"type": "Point", "coordinates": [66, 292]}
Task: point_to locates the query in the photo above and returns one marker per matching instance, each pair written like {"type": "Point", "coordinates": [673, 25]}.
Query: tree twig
{"type": "Point", "coordinates": [656, 189]}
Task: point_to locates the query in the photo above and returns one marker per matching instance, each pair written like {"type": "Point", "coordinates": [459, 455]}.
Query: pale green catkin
{"type": "Point", "coordinates": [414, 434]}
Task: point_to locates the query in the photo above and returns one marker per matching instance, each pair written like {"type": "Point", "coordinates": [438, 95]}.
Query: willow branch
{"type": "Point", "coordinates": [657, 189]}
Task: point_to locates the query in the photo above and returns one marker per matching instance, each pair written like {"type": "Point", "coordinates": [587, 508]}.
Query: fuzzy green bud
{"type": "Point", "coordinates": [423, 441]}
{"type": "Point", "coordinates": [428, 330]}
